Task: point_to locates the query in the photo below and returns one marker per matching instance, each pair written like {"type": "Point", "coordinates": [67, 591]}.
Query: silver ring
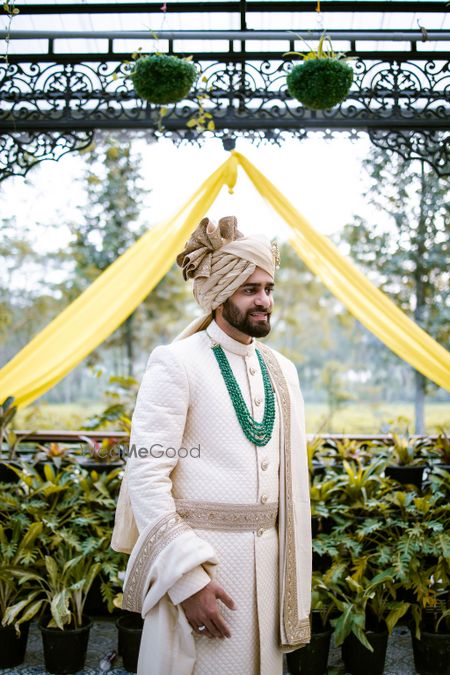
{"type": "Point", "coordinates": [201, 628]}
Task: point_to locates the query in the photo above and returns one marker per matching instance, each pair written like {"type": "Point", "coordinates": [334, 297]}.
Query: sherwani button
{"type": "Point", "coordinates": [264, 499]}
{"type": "Point", "coordinates": [258, 401]}
{"type": "Point", "coordinates": [252, 370]}
{"type": "Point", "coordinates": [260, 531]}
{"type": "Point", "coordinates": [264, 464]}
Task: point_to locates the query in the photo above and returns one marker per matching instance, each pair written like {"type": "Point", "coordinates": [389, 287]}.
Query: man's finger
{"type": "Point", "coordinates": [226, 599]}
{"type": "Point", "coordinates": [222, 626]}
{"type": "Point", "coordinates": [215, 632]}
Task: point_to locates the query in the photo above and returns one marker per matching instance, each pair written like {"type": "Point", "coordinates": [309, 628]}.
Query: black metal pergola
{"type": "Point", "coordinates": [53, 101]}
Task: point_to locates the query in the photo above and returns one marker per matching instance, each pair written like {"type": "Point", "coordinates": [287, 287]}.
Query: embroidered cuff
{"type": "Point", "coordinates": [190, 583]}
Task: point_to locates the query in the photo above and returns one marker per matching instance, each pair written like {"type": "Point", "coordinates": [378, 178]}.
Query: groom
{"type": "Point", "coordinates": [220, 541]}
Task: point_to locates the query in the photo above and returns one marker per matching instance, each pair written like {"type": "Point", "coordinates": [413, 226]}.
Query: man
{"type": "Point", "coordinates": [214, 504]}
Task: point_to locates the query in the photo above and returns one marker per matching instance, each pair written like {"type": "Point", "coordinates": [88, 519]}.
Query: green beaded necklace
{"type": "Point", "coordinates": [258, 433]}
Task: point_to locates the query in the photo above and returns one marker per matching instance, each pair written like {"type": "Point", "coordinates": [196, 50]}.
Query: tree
{"type": "Point", "coordinates": [26, 295]}
{"type": "Point", "coordinates": [109, 225]}
{"type": "Point", "coordinates": [407, 247]}
{"type": "Point", "coordinates": [337, 395]}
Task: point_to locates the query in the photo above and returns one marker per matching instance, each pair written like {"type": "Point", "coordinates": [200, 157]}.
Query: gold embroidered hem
{"type": "Point", "coordinates": [304, 636]}
{"type": "Point", "coordinates": [297, 630]}
{"type": "Point", "coordinates": [161, 534]}
{"type": "Point", "coordinates": [226, 516]}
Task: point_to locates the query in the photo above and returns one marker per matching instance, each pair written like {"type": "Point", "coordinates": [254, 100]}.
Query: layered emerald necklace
{"type": "Point", "coordinates": [258, 433]}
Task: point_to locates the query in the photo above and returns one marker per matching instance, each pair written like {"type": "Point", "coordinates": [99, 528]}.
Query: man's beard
{"type": "Point", "coordinates": [244, 322]}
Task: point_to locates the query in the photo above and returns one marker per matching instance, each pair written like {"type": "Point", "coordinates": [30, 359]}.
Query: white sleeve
{"type": "Point", "coordinates": [169, 556]}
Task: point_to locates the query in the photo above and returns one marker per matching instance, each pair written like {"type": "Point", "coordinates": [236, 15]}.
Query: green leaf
{"type": "Point", "coordinates": [343, 624]}
{"type": "Point", "coordinates": [14, 610]}
{"type": "Point", "coordinates": [60, 609]}
{"type": "Point", "coordinates": [31, 611]}
{"type": "Point", "coordinates": [93, 572]}
{"type": "Point", "coordinates": [49, 473]}
{"type": "Point", "coordinates": [52, 569]}
{"type": "Point", "coordinates": [397, 612]}
{"type": "Point", "coordinates": [34, 531]}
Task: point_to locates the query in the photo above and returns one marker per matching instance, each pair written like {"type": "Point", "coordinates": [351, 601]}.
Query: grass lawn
{"type": "Point", "coordinates": [372, 418]}
{"type": "Point", "coordinates": [367, 418]}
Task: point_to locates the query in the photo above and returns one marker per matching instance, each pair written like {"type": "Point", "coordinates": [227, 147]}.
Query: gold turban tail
{"type": "Point", "coordinates": [220, 259]}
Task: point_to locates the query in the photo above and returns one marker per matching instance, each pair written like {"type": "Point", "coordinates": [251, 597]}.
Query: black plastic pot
{"type": "Point", "coordinates": [407, 475]}
{"type": "Point", "coordinates": [7, 475]}
{"type": "Point", "coordinates": [12, 648]}
{"type": "Point", "coordinates": [65, 650]}
{"type": "Point", "coordinates": [359, 660]}
{"type": "Point", "coordinates": [432, 653]}
{"type": "Point", "coordinates": [129, 633]}
{"type": "Point", "coordinates": [313, 658]}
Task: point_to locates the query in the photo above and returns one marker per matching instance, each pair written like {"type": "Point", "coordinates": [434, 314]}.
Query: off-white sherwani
{"type": "Point", "coordinates": [183, 405]}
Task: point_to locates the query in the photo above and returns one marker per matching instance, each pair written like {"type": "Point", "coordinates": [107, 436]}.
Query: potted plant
{"type": "Point", "coordinates": [129, 631]}
{"type": "Point", "coordinates": [56, 454]}
{"type": "Point", "coordinates": [163, 78]}
{"type": "Point", "coordinates": [364, 603]}
{"type": "Point", "coordinates": [347, 449]}
{"type": "Point", "coordinates": [65, 579]}
{"type": "Point", "coordinates": [408, 460]}
{"type": "Point", "coordinates": [67, 563]}
{"type": "Point", "coordinates": [104, 597]}
{"type": "Point", "coordinates": [105, 455]}
{"type": "Point", "coordinates": [423, 554]}
{"type": "Point", "coordinates": [322, 80]}
{"type": "Point", "coordinates": [19, 546]}
{"type": "Point", "coordinates": [313, 658]}
{"type": "Point", "coordinates": [440, 451]}
{"type": "Point", "coordinates": [361, 487]}
{"type": "Point", "coordinates": [323, 494]}
{"type": "Point", "coordinates": [431, 634]}
{"type": "Point", "coordinates": [315, 465]}
{"type": "Point", "coordinates": [9, 437]}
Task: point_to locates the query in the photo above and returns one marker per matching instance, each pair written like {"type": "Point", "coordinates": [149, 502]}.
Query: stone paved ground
{"type": "Point", "coordinates": [103, 639]}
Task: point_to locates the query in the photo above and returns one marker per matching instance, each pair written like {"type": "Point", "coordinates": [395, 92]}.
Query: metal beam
{"type": "Point", "coordinates": [229, 121]}
{"type": "Point", "coordinates": [362, 35]}
{"type": "Point", "coordinates": [230, 7]}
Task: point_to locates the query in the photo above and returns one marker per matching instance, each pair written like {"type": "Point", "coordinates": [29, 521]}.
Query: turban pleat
{"type": "Point", "coordinates": [220, 259]}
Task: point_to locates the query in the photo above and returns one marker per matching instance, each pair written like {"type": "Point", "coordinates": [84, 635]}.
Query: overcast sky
{"type": "Point", "coordinates": [323, 179]}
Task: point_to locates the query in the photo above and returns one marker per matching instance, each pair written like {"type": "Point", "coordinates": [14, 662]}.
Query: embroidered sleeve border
{"type": "Point", "coordinates": [161, 534]}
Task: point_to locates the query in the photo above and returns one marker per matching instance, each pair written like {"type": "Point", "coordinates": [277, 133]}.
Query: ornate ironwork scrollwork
{"type": "Point", "coordinates": [403, 104]}
{"type": "Point", "coordinates": [430, 146]}
{"type": "Point", "coordinates": [20, 150]}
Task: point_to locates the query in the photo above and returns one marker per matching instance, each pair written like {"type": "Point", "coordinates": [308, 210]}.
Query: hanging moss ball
{"type": "Point", "coordinates": [160, 78]}
{"type": "Point", "coordinates": [320, 83]}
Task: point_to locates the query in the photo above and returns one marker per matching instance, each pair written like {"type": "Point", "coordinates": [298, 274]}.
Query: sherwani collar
{"type": "Point", "coordinates": [230, 344]}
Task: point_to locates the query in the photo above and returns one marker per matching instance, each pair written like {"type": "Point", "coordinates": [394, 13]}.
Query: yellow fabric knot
{"type": "Point", "coordinates": [231, 167]}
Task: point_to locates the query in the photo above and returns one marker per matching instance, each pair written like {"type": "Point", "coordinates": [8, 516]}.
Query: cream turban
{"type": "Point", "coordinates": [220, 259]}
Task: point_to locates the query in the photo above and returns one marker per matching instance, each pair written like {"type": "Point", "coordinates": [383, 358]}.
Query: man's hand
{"type": "Point", "coordinates": [201, 610]}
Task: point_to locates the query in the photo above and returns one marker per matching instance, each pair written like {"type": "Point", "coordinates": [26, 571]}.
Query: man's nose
{"type": "Point", "coordinates": [263, 300]}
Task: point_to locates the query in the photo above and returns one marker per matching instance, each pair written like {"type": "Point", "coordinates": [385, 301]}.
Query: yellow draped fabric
{"type": "Point", "coordinates": [116, 293]}
{"type": "Point", "coordinates": [108, 301]}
